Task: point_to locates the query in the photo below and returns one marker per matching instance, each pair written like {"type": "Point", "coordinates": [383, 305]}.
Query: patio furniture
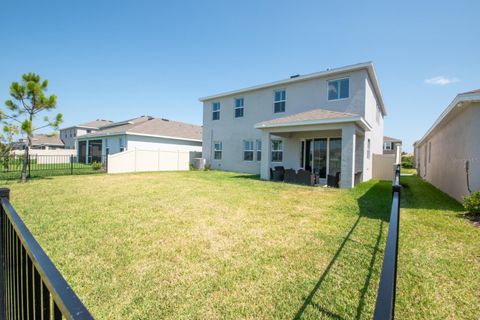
{"type": "Point", "coordinates": [333, 180]}
{"type": "Point", "coordinates": [290, 176]}
{"type": "Point", "coordinates": [305, 177]}
{"type": "Point", "coordinates": [358, 177]}
{"type": "Point", "coordinates": [278, 173]}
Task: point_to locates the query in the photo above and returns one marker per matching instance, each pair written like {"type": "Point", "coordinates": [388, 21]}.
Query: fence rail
{"type": "Point", "coordinates": [385, 305]}
{"type": "Point", "coordinates": [31, 287]}
{"type": "Point", "coordinates": [47, 165]}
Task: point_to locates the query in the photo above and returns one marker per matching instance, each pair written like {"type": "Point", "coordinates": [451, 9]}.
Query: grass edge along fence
{"type": "Point", "coordinates": [31, 287]}
{"type": "Point", "coordinates": [49, 165]}
{"type": "Point", "coordinates": [385, 304]}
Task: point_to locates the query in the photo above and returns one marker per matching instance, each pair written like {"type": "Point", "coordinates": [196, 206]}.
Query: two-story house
{"type": "Point", "coordinates": [328, 122]}
{"type": "Point", "coordinates": [69, 135]}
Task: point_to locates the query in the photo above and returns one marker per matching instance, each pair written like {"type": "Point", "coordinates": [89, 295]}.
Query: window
{"type": "Point", "coordinates": [107, 147]}
{"type": "Point", "coordinates": [259, 149]}
{"type": "Point", "coordinates": [238, 107]}
{"type": "Point", "coordinates": [277, 150]}
{"type": "Point", "coordinates": [217, 150]}
{"type": "Point", "coordinates": [338, 89]}
{"type": "Point", "coordinates": [88, 130]}
{"type": "Point", "coordinates": [280, 98]}
{"type": "Point", "coordinates": [387, 146]}
{"type": "Point", "coordinates": [248, 150]}
{"type": "Point", "coordinates": [121, 142]}
{"type": "Point", "coordinates": [216, 111]}
{"type": "Point", "coordinates": [429, 151]}
{"type": "Point", "coordinates": [368, 149]}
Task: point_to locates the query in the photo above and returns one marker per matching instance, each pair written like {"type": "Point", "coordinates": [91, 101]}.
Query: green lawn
{"type": "Point", "coordinates": [409, 171]}
{"type": "Point", "coordinates": [212, 245]}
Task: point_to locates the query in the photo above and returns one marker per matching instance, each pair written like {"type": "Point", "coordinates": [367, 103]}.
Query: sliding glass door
{"type": "Point", "coordinates": [323, 156]}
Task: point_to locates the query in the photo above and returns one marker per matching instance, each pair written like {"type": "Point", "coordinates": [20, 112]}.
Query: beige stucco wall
{"type": "Point", "coordinates": [452, 144]}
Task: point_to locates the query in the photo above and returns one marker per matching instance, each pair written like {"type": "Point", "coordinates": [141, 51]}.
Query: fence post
{"type": "Point", "coordinates": [71, 164]}
{"type": "Point", "coordinates": [4, 193]}
{"type": "Point", "coordinates": [29, 164]}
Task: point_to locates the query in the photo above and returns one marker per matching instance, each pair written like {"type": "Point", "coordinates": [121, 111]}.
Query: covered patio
{"type": "Point", "coordinates": [326, 144]}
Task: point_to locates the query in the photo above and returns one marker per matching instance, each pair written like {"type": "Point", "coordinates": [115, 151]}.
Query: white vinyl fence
{"type": "Point", "coordinates": [42, 156]}
{"type": "Point", "coordinates": [148, 160]}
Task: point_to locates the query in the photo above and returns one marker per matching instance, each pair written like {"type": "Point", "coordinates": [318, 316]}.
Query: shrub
{"type": "Point", "coordinates": [472, 202]}
{"type": "Point", "coordinates": [407, 162]}
{"type": "Point", "coordinates": [207, 167]}
{"type": "Point", "coordinates": [96, 165]}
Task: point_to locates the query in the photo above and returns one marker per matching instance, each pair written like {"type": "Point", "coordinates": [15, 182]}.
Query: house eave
{"type": "Point", "coordinates": [459, 101]}
{"type": "Point", "coordinates": [357, 120]}
{"type": "Point", "coordinates": [118, 133]}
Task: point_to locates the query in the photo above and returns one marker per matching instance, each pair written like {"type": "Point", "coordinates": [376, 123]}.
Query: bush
{"type": "Point", "coordinates": [472, 202]}
{"type": "Point", "coordinates": [96, 165]}
{"type": "Point", "coordinates": [407, 162]}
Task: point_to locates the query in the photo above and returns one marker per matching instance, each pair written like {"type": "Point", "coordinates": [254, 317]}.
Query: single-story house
{"type": "Point", "coordinates": [41, 142]}
{"type": "Point", "coordinates": [448, 155]}
{"type": "Point", "coordinates": [390, 145]}
{"type": "Point", "coordinates": [142, 133]}
{"type": "Point", "coordinates": [69, 135]}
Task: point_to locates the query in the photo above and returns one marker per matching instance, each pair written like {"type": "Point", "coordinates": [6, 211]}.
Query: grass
{"type": "Point", "coordinates": [225, 245]}
{"type": "Point", "coordinates": [409, 171]}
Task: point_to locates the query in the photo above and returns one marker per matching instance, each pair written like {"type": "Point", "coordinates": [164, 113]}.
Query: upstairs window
{"type": "Point", "coordinates": [248, 150]}
{"type": "Point", "coordinates": [387, 146]}
{"type": "Point", "coordinates": [338, 89]}
{"type": "Point", "coordinates": [368, 148]}
{"type": "Point", "coordinates": [280, 97]}
{"type": "Point", "coordinates": [238, 107]}
{"type": "Point", "coordinates": [217, 150]}
{"type": "Point", "coordinates": [277, 150]}
{"type": "Point", "coordinates": [216, 111]}
{"type": "Point", "coordinates": [259, 149]}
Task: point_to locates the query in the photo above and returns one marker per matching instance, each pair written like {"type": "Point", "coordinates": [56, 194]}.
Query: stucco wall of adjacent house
{"type": "Point", "coordinates": [374, 117]}
{"type": "Point", "coordinates": [164, 144]}
{"type": "Point", "coordinates": [452, 144]}
{"type": "Point", "coordinates": [259, 106]}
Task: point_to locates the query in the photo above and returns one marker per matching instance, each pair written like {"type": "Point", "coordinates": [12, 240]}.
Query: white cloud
{"type": "Point", "coordinates": [441, 80]}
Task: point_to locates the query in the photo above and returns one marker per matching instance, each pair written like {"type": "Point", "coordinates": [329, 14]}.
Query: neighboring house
{"type": "Point", "coordinates": [70, 134]}
{"type": "Point", "coordinates": [327, 122]}
{"type": "Point", "coordinates": [390, 145]}
{"type": "Point", "coordinates": [143, 133]}
{"type": "Point", "coordinates": [41, 141]}
{"type": "Point", "coordinates": [448, 155]}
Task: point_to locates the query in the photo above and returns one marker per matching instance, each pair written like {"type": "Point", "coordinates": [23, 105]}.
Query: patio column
{"type": "Point", "coordinates": [266, 156]}
{"type": "Point", "coordinates": [347, 178]}
{"type": "Point", "coordinates": [87, 151]}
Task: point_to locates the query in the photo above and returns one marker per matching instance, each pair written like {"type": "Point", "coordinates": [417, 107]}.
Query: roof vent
{"type": "Point", "coordinates": [163, 119]}
{"type": "Point", "coordinates": [294, 76]}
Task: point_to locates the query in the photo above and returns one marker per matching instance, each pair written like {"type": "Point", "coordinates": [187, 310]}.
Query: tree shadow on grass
{"type": "Point", "coordinates": [247, 176]}
{"type": "Point", "coordinates": [374, 202]}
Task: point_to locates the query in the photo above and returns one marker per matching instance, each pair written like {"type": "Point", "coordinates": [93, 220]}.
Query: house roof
{"type": "Point", "coordinates": [329, 72]}
{"type": "Point", "coordinates": [46, 140]}
{"type": "Point", "coordinates": [311, 117]}
{"type": "Point", "coordinates": [390, 139]}
{"type": "Point", "coordinates": [95, 124]}
{"type": "Point", "coordinates": [150, 126]}
{"type": "Point", "coordinates": [459, 101]}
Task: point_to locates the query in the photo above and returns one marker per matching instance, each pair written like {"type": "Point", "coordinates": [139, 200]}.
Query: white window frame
{"type": "Point", "coordinates": [122, 144]}
{"type": "Point", "coordinates": [250, 149]}
{"type": "Point", "coordinates": [215, 149]}
{"type": "Point", "coordinates": [235, 108]}
{"type": "Point", "coordinates": [387, 146]}
{"type": "Point", "coordinates": [280, 150]}
{"type": "Point", "coordinates": [279, 101]}
{"type": "Point", "coordinates": [338, 80]}
{"type": "Point", "coordinates": [258, 147]}
{"type": "Point", "coordinates": [214, 104]}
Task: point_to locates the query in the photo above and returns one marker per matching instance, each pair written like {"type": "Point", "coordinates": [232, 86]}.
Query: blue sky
{"type": "Point", "coordinates": [120, 59]}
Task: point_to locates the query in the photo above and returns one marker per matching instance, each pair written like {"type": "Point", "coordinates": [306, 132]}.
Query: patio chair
{"type": "Point", "coordinates": [333, 180]}
{"type": "Point", "coordinates": [305, 177]}
{"type": "Point", "coordinates": [290, 176]}
{"type": "Point", "coordinates": [278, 173]}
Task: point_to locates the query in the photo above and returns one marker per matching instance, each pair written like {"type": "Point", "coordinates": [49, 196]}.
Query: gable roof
{"type": "Point", "coordinates": [46, 140]}
{"type": "Point", "coordinates": [460, 100]}
{"type": "Point", "coordinates": [150, 126]}
{"type": "Point", "coordinates": [329, 72]}
{"type": "Point", "coordinates": [315, 116]}
{"type": "Point", "coordinates": [390, 139]}
{"type": "Point", "coordinates": [95, 124]}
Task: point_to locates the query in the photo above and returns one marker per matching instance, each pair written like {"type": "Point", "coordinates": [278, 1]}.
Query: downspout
{"type": "Point", "coordinates": [467, 170]}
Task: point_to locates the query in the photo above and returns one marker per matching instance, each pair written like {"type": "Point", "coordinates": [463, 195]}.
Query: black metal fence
{"type": "Point", "coordinates": [385, 305]}
{"type": "Point", "coordinates": [48, 165]}
{"type": "Point", "coordinates": [31, 287]}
